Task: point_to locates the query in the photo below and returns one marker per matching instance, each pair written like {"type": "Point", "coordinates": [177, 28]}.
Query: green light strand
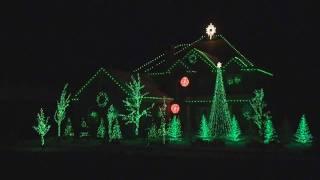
{"type": "Point", "coordinates": [174, 129]}
{"type": "Point", "coordinates": [62, 106]}
{"type": "Point", "coordinates": [93, 77]}
{"type": "Point", "coordinates": [43, 126]}
{"type": "Point", "coordinates": [303, 134]}
{"type": "Point", "coordinates": [235, 131]}
{"type": "Point", "coordinates": [219, 119]}
{"type": "Point", "coordinates": [270, 134]}
{"type": "Point", "coordinates": [230, 45]}
{"type": "Point", "coordinates": [204, 131]}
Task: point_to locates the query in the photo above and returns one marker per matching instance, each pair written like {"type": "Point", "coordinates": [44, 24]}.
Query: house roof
{"type": "Point", "coordinates": [119, 78]}
{"type": "Point", "coordinates": [219, 49]}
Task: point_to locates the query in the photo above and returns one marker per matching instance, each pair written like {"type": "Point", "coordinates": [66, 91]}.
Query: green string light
{"type": "Point", "coordinates": [303, 134]}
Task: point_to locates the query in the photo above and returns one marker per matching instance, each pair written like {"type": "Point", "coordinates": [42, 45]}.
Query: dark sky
{"type": "Point", "coordinates": [48, 43]}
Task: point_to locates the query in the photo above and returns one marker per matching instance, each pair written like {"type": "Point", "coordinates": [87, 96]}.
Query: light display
{"type": "Point", "coordinates": [219, 119]}
{"type": "Point", "coordinates": [163, 116]}
{"type": "Point", "coordinates": [102, 99]}
{"type": "Point", "coordinates": [210, 30]}
{"type": "Point", "coordinates": [133, 103]}
{"type": "Point", "coordinates": [303, 134]}
{"type": "Point", "coordinates": [62, 106]}
{"type": "Point", "coordinates": [43, 126]}
{"type": "Point", "coordinates": [68, 131]}
{"type": "Point", "coordinates": [101, 131]}
{"type": "Point", "coordinates": [174, 129]}
{"type": "Point", "coordinates": [112, 116]}
{"type": "Point", "coordinates": [258, 114]}
{"type": "Point", "coordinates": [152, 133]}
{"type": "Point", "coordinates": [175, 108]}
{"type": "Point", "coordinates": [235, 131]}
{"type": "Point", "coordinates": [184, 81]}
{"type": "Point", "coordinates": [204, 131]}
{"type": "Point", "coordinates": [270, 134]}
{"type": "Point", "coordinates": [116, 132]}
{"type": "Point", "coordinates": [84, 126]}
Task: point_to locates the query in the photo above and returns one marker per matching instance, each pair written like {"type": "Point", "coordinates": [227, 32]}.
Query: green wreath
{"type": "Point", "coordinates": [102, 99]}
{"type": "Point", "coordinates": [192, 59]}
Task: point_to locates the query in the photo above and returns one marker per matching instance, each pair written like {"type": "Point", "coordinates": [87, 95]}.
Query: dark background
{"type": "Point", "coordinates": [48, 43]}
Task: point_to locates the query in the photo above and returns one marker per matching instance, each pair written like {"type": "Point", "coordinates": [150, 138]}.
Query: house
{"type": "Point", "coordinates": [187, 73]}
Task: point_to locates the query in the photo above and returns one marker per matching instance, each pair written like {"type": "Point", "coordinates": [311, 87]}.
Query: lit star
{"type": "Point", "coordinates": [219, 65]}
{"type": "Point", "coordinates": [210, 30]}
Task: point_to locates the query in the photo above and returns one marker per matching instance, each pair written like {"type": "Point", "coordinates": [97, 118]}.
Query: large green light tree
{"type": "Point", "coordinates": [303, 134]}
{"type": "Point", "coordinates": [133, 103]}
{"type": "Point", "coordinates": [219, 119]}
{"type": "Point", "coordinates": [62, 106]}
{"type": "Point", "coordinates": [43, 126]}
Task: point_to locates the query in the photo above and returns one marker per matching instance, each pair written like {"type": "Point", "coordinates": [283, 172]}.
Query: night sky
{"type": "Point", "coordinates": [48, 43]}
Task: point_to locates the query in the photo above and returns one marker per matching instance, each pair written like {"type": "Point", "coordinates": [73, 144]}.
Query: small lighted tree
{"type": "Point", "coordinates": [204, 131]}
{"type": "Point", "coordinates": [174, 129]}
{"type": "Point", "coordinates": [62, 106]}
{"type": "Point", "coordinates": [133, 103]}
{"type": "Point", "coordinates": [163, 116]}
{"type": "Point", "coordinates": [152, 132]}
{"type": "Point", "coordinates": [270, 134]}
{"type": "Point", "coordinates": [68, 131]}
{"type": "Point", "coordinates": [43, 126]}
{"type": "Point", "coordinates": [235, 131]}
{"type": "Point", "coordinates": [116, 132]}
{"type": "Point", "coordinates": [101, 132]}
{"type": "Point", "coordinates": [112, 116]}
{"type": "Point", "coordinates": [303, 134]}
{"type": "Point", "coordinates": [258, 114]}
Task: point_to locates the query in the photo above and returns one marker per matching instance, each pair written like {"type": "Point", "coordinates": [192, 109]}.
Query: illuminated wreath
{"type": "Point", "coordinates": [192, 58]}
{"type": "Point", "coordinates": [102, 99]}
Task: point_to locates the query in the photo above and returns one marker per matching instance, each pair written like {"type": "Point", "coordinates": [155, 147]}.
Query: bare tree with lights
{"type": "Point", "coordinates": [258, 114]}
{"type": "Point", "coordinates": [62, 106]}
{"type": "Point", "coordinates": [133, 103]}
{"type": "Point", "coordinates": [43, 126]}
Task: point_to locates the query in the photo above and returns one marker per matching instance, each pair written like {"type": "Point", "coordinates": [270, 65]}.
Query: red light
{"type": "Point", "coordinates": [184, 81]}
{"type": "Point", "coordinates": [175, 108]}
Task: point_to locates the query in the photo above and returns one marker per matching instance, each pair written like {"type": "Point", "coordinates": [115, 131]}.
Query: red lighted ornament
{"type": "Point", "coordinates": [184, 81]}
{"type": "Point", "coordinates": [175, 108]}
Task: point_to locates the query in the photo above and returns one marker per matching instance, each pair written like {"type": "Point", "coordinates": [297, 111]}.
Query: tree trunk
{"type": "Point", "coordinates": [59, 129]}
{"type": "Point", "coordinates": [42, 140]}
{"type": "Point", "coordinates": [137, 130]}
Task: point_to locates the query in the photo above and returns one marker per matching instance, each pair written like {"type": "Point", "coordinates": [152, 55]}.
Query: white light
{"type": "Point", "coordinates": [219, 65]}
{"type": "Point", "coordinates": [210, 30]}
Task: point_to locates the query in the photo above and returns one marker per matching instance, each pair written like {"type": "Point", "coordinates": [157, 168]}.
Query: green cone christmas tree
{"type": "Point", "coordinates": [174, 130]}
{"type": "Point", "coordinates": [219, 119]}
{"type": "Point", "coordinates": [270, 134]}
{"type": "Point", "coordinates": [116, 132]}
{"type": "Point", "coordinates": [101, 132]}
{"type": "Point", "coordinates": [235, 130]}
{"type": "Point", "coordinates": [303, 134]}
{"type": "Point", "coordinates": [204, 131]}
